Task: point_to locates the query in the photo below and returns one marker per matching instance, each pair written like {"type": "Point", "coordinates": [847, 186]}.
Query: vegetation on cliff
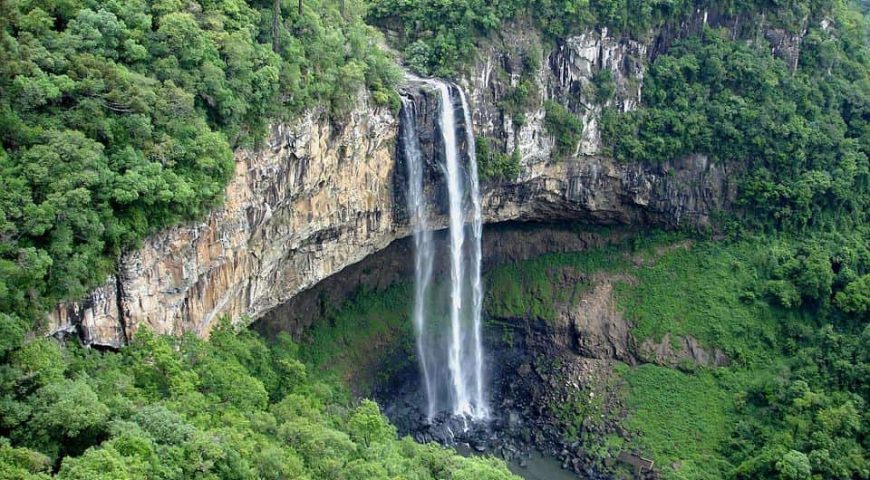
{"type": "Point", "coordinates": [118, 118]}
{"type": "Point", "coordinates": [798, 134]}
{"type": "Point", "coordinates": [791, 117]}
{"type": "Point", "coordinates": [794, 391]}
{"type": "Point", "coordinates": [439, 38]}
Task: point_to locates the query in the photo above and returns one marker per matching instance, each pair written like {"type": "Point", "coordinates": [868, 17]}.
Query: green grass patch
{"type": "Point", "coordinates": [359, 333]}
{"type": "Point", "coordinates": [684, 419]}
{"type": "Point", "coordinates": [705, 291]}
{"type": "Point", "coordinates": [534, 288]}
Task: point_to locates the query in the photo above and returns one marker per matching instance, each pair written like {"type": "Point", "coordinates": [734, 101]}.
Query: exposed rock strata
{"type": "Point", "coordinates": [599, 330]}
{"type": "Point", "coordinates": [680, 352]}
{"type": "Point", "coordinates": [317, 198]}
{"type": "Point", "coordinates": [314, 199]}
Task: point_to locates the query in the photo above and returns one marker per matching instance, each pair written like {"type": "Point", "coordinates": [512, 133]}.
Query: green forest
{"type": "Point", "coordinates": [181, 408]}
{"type": "Point", "coordinates": [791, 402]}
{"type": "Point", "coordinates": [121, 117]}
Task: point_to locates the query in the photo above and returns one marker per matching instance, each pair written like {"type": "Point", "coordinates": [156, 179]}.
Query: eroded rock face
{"type": "Point", "coordinates": [317, 197]}
{"type": "Point", "coordinates": [679, 352]}
{"type": "Point", "coordinates": [314, 199]}
{"type": "Point", "coordinates": [599, 329]}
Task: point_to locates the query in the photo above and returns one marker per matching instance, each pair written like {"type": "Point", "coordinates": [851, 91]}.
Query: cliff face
{"type": "Point", "coordinates": [318, 197]}
{"type": "Point", "coordinates": [312, 200]}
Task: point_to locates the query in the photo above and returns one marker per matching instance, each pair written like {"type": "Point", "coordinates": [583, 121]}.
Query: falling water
{"type": "Point", "coordinates": [462, 348]}
{"type": "Point", "coordinates": [476, 257]}
{"type": "Point", "coordinates": [422, 244]}
{"type": "Point", "coordinates": [455, 357]}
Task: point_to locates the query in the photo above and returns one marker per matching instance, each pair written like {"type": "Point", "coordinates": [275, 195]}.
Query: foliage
{"type": "Point", "coordinates": [535, 288]}
{"type": "Point", "coordinates": [855, 298]}
{"type": "Point", "coordinates": [799, 136]}
{"type": "Point", "coordinates": [684, 417]}
{"type": "Point", "coordinates": [604, 86]}
{"type": "Point", "coordinates": [495, 165]}
{"type": "Point", "coordinates": [439, 38]}
{"type": "Point", "coordinates": [564, 126]}
{"type": "Point", "coordinates": [793, 394]}
{"type": "Point", "coordinates": [719, 280]}
{"type": "Point", "coordinates": [178, 408]}
{"type": "Point", "coordinates": [118, 118]}
{"type": "Point", "coordinates": [438, 34]}
{"type": "Point", "coordinates": [524, 93]}
{"type": "Point", "coordinates": [366, 329]}
{"type": "Point", "coordinates": [22, 463]}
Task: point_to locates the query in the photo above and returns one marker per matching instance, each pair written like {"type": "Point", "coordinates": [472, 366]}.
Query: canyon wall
{"type": "Point", "coordinates": [320, 195]}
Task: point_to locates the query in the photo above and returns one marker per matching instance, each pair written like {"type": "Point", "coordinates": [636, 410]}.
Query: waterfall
{"type": "Point", "coordinates": [461, 348]}
{"type": "Point", "coordinates": [476, 259]}
{"type": "Point", "coordinates": [423, 248]}
{"type": "Point", "coordinates": [455, 357]}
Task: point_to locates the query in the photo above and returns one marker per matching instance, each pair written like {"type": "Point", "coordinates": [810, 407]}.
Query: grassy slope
{"type": "Point", "coordinates": [706, 291]}
{"type": "Point", "coordinates": [531, 288]}
{"type": "Point", "coordinates": [683, 417]}
{"type": "Point", "coordinates": [359, 333]}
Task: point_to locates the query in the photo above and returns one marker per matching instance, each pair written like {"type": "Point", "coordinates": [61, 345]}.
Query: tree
{"type": "Point", "coordinates": [794, 465]}
{"type": "Point", "coordinates": [22, 463]}
{"type": "Point", "coordinates": [98, 464]}
{"type": "Point", "coordinates": [367, 426]}
{"type": "Point", "coordinates": [855, 298]}
{"type": "Point", "coordinates": [163, 425]}
{"type": "Point", "coordinates": [67, 416]}
{"type": "Point", "coordinates": [276, 21]}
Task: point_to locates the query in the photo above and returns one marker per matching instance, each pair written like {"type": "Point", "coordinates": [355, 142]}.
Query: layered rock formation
{"type": "Point", "coordinates": [313, 199]}
{"type": "Point", "coordinates": [318, 197]}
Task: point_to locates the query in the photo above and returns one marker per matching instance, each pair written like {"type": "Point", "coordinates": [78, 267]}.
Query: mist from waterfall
{"type": "Point", "coordinates": [456, 339]}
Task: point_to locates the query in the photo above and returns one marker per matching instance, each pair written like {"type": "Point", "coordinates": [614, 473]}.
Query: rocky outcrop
{"type": "Point", "coordinates": [317, 197]}
{"type": "Point", "coordinates": [680, 352]}
{"type": "Point", "coordinates": [592, 327]}
{"type": "Point", "coordinates": [599, 330]}
{"type": "Point", "coordinates": [313, 199]}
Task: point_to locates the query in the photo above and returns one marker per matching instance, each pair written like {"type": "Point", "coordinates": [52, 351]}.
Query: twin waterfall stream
{"type": "Point", "coordinates": [452, 339]}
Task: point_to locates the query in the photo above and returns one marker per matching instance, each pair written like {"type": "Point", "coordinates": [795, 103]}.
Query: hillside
{"type": "Point", "coordinates": [174, 171]}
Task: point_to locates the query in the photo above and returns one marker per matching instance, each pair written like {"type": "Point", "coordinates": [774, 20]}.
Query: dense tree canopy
{"type": "Point", "coordinates": [173, 408]}
{"type": "Point", "coordinates": [119, 117]}
{"type": "Point", "coordinates": [799, 139]}
{"type": "Point", "coordinates": [439, 37]}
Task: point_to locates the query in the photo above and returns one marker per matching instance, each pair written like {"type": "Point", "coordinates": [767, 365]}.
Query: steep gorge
{"type": "Point", "coordinates": [320, 195]}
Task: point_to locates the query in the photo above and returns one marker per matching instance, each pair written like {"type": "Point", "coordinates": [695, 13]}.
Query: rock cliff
{"type": "Point", "coordinates": [319, 196]}
{"type": "Point", "coordinates": [313, 199]}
